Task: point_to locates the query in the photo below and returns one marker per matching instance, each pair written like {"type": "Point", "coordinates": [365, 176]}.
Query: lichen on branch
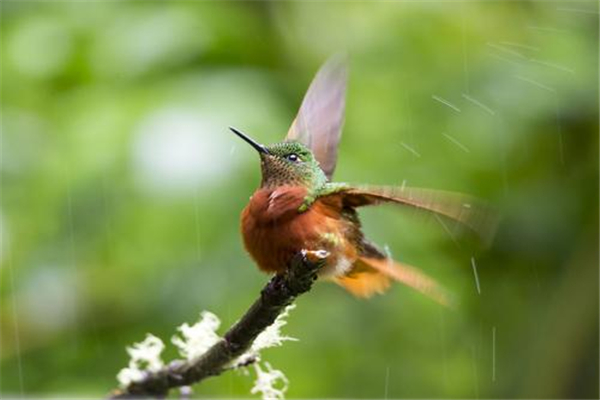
{"type": "Point", "coordinates": [235, 349]}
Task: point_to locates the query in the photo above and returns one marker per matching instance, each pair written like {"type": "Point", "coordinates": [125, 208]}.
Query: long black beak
{"type": "Point", "coordinates": [259, 147]}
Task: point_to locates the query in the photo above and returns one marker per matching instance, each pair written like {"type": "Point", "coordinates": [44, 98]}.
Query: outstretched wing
{"type": "Point", "coordinates": [318, 124]}
{"type": "Point", "coordinates": [468, 210]}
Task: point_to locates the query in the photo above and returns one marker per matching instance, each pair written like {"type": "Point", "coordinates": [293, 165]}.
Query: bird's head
{"type": "Point", "coordinates": [286, 163]}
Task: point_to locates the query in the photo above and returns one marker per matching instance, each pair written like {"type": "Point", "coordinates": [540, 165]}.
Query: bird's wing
{"type": "Point", "coordinates": [467, 210]}
{"type": "Point", "coordinates": [318, 124]}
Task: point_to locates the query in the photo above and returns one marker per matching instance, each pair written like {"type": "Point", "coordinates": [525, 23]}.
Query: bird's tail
{"type": "Point", "coordinates": [369, 276]}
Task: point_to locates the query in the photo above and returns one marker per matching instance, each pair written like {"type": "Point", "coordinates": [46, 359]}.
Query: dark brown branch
{"type": "Point", "coordinates": [280, 292]}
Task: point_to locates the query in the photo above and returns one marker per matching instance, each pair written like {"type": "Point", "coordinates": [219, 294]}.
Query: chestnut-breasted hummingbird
{"type": "Point", "coordinates": [298, 208]}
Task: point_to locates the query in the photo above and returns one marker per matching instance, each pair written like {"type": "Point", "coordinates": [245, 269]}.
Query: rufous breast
{"type": "Point", "coordinates": [274, 229]}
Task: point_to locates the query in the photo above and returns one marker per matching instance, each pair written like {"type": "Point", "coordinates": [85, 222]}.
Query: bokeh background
{"type": "Point", "coordinates": [121, 189]}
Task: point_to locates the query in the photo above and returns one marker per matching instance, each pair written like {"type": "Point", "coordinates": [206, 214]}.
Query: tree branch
{"type": "Point", "coordinates": [280, 292]}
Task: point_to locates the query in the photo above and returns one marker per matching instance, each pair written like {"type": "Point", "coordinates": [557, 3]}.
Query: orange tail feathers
{"type": "Point", "coordinates": [363, 281]}
{"type": "Point", "coordinates": [372, 275]}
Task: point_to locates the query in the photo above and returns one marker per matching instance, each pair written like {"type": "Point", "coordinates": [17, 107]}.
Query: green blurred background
{"type": "Point", "coordinates": [122, 187]}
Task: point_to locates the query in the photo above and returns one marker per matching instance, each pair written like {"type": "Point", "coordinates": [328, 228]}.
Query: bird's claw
{"type": "Point", "coordinates": [315, 256]}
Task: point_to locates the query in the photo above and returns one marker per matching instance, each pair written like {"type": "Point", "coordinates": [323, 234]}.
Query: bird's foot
{"type": "Point", "coordinates": [315, 256]}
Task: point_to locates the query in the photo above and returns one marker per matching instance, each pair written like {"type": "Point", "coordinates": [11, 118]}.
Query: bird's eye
{"type": "Point", "coordinates": [293, 157]}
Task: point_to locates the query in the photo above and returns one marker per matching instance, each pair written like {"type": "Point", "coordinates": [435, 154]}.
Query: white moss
{"type": "Point", "coordinates": [270, 383]}
{"type": "Point", "coordinates": [270, 337]}
{"type": "Point", "coordinates": [193, 341]}
{"type": "Point", "coordinates": [145, 357]}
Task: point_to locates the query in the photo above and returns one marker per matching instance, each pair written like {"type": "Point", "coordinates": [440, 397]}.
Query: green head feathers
{"type": "Point", "coordinates": [287, 163]}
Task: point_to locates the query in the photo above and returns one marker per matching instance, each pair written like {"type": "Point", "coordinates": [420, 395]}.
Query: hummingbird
{"type": "Point", "coordinates": [298, 208]}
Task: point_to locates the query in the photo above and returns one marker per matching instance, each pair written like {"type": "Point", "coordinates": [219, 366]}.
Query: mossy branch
{"type": "Point", "coordinates": [279, 292]}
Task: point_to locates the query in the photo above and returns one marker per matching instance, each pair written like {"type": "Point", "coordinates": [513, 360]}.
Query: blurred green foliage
{"type": "Point", "coordinates": [121, 188]}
